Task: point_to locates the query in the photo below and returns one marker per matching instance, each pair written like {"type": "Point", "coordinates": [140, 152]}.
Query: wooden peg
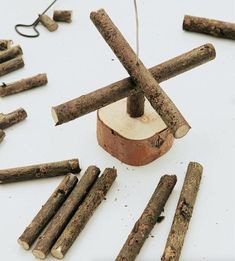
{"type": "Point", "coordinates": [23, 85]}
{"type": "Point", "coordinates": [10, 53]}
{"type": "Point", "coordinates": [9, 119]}
{"type": "Point", "coordinates": [62, 16]}
{"type": "Point", "coordinates": [50, 24]}
{"type": "Point", "coordinates": [11, 65]}
{"type": "Point", "coordinates": [209, 26]}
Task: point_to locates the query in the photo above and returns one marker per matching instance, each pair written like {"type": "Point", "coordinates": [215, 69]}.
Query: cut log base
{"type": "Point", "coordinates": [134, 141]}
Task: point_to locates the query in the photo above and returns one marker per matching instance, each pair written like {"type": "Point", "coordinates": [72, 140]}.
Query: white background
{"type": "Point", "coordinates": [77, 61]}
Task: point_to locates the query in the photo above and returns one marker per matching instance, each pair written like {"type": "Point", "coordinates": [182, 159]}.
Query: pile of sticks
{"type": "Point", "coordinates": [69, 209]}
{"type": "Point", "coordinates": [11, 60]}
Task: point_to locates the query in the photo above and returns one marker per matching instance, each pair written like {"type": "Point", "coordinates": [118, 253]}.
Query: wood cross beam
{"type": "Point", "coordinates": [128, 135]}
{"type": "Point", "coordinates": [102, 97]}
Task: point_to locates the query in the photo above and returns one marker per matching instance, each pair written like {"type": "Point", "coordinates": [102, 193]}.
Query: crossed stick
{"type": "Point", "coordinates": [141, 80]}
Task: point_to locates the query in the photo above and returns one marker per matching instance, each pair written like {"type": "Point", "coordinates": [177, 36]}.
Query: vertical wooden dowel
{"type": "Point", "coordinates": [135, 105]}
{"type": "Point", "coordinates": [135, 102]}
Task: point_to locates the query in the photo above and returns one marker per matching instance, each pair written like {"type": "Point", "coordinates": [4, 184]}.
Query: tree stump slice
{"type": "Point", "coordinates": [134, 141]}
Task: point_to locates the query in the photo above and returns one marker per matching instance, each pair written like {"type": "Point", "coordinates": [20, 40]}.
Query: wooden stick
{"type": "Point", "coordinates": [135, 105]}
{"type": "Point", "coordinates": [135, 102]}
{"type": "Point", "coordinates": [183, 212]}
{"type": "Point", "coordinates": [45, 170]}
{"type": "Point", "coordinates": [140, 75]}
{"type": "Point", "coordinates": [5, 44]}
{"type": "Point", "coordinates": [148, 219]}
{"type": "Point", "coordinates": [11, 65]}
{"type": "Point", "coordinates": [50, 24]}
{"type": "Point", "coordinates": [209, 26]}
{"type": "Point", "coordinates": [2, 135]}
{"type": "Point", "coordinates": [10, 53]}
{"type": "Point", "coordinates": [65, 213]}
{"type": "Point", "coordinates": [23, 85]}
{"type": "Point", "coordinates": [62, 16]}
{"type": "Point", "coordinates": [47, 211]}
{"type": "Point", "coordinates": [84, 212]}
{"type": "Point", "coordinates": [9, 119]}
{"type": "Point", "coordinates": [116, 91]}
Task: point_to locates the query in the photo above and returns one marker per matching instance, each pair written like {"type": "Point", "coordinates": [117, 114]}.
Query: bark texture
{"type": "Point", "coordinates": [50, 24]}
{"type": "Point", "coordinates": [183, 212]}
{"type": "Point", "coordinates": [135, 105]}
{"type": "Point", "coordinates": [47, 211]}
{"type": "Point", "coordinates": [209, 26]}
{"type": "Point", "coordinates": [65, 213]}
{"type": "Point", "coordinates": [11, 65]}
{"type": "Point", "coordinates": [2, 135]}
{"type": "Point", "coordinates": [23, 85]}
{"type": "Point", "coordinates": [5, 44]}
{"type": "Point", "coordinates": [140, 75]}
{"type": "Point", "coordinates": [9, 119]}
{"type": "Point", "coordinates": [62, 16]}
{"type": "Point", "coordinates": [148, 219]}
{"type": "Point", "coordinates": [84, 212]}
{"type": "Point", "coordinates": [10, 53]}
{"type": "Point", "coordinates": [45, 170]}
{"type": "Point", "coordinates": [116, 91]}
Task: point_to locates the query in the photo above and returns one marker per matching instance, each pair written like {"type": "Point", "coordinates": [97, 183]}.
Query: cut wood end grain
{"type": "Point", "coordinates": [39, 254]}
{"type": "Point", "coordinates": [134, 141]}
{"type": "Point", "coordinates": [56, 252]}
{"type": "Point", "coordinates": [182, 131]}
{"type": "Point", "coordinates": [54, 116]}
{"type": "Point", "coordinates": [24, 244]}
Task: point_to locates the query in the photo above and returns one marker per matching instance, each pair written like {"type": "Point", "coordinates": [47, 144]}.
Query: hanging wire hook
{"type": "Point", "coordinates": [33, 25]}
{"type": "Point", "coordinates": [137, 30]}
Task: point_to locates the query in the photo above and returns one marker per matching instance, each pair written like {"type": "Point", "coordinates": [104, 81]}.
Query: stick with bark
{"type": "Point", "coordinates": [183, 212]}
{"type": "Point", "coordinates": [140, 75]}
{"type": "Point", "coordinates": [2, 135]}
{"type": "Point", "coordinates": [148, 219]}
{"type": "Point", "coordinates": [11, 65]}
{"type": "Point", "coordinates": [9, 119]}
{"type": "Point", "coordinates": [116, 91]}
{"type": "Point", "coordinates": [47, 211]}
{"type": "Point", "coordinates": [5, 44]}
{"type": "Point", "coordinates": [65, 213]}
{"type": "Point", "coordinates": [23, 85]}
{"type": "Point", "coordinates": [50, 24]}
{"type": "Point", "coordinates": [45, 170]}
{"type": "Point", "coordinates": [62, 16]}
{"type": "Point", "coordinates": [10, 53]}
{"type": "Point", "coordinates": [84, 212]}
{"type": "Point", "coordinates": [209, 26]}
